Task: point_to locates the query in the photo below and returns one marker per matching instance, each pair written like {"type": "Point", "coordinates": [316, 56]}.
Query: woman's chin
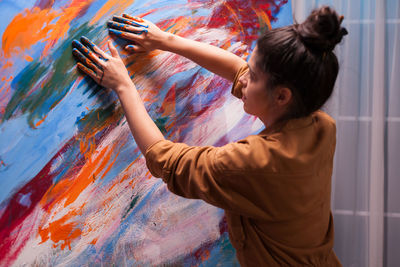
{"type": "Point", "coordinates": [246, 109]}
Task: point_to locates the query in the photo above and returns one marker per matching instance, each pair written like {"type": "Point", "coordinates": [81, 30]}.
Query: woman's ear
{"type": "Point", "coordinates": [283, 96]}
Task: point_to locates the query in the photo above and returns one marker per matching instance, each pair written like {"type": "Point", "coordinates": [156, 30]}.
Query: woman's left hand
{"type": "Point", "coordinates": [106, 70]}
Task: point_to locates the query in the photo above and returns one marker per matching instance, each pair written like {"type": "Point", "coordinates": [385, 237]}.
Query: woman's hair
{"type": "Point", "coordinates": [301, 58]}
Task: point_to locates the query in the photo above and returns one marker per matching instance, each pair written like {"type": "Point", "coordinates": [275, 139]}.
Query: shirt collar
{"type": "Point", "coordinates": [288, 125]}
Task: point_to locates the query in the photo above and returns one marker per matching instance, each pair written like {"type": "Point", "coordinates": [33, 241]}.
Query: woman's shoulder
{"type": "Point", "coordinates": [250, 153]}
{"type": "Point", "coordinates": [322, 115]}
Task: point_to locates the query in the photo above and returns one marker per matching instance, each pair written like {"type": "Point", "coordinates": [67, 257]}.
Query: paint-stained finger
{"type": "Point", "coordinates": [134, 18]}
{"type": "Point", "coordinates": [113, 50]}
{"type": "Point", "coordinates": [94, 47]}
{"type": "Point", "coordinates": [100, 53]}
{"type": "Point", "coordinates": [84, 60]}
{"type": "Point", "coordinates": [126, 35]}
{"type": "Point", "coordinates": [88, 53]}
{"type": "Point", "coordinates": [87, 71]}
{"type": "Point", "coordinates": [129, 22]}
{"type": "Point", "coordinates": [123, 27]}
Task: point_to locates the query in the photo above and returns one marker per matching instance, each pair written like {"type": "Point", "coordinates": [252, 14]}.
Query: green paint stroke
{"type": "Point", "coordinates": [131, 205]}
{"type": "Point", "coordinates": [57, 73]}
{"type": "Point", "coordinates": [161, 122]}
{"type": "Point", "coordinates": [22, 84]}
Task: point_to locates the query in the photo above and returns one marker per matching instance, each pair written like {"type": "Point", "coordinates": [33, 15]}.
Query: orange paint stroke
{"type": "Point", "coordinates": [110, 165]}
{"type": "Point", "coordinates": [132, 183]}
{"type": "Point", "coordinates": [26, 29]}
{"type": "Point", "coordinates": [6, 64]}
{"type": "Point", "coordinates": [111, 7]}
{"type": "Point", "coordinates": [179, 24]}
{"type": "Point", "coordinates": [4, 79]}
{"type": "Point", "coordinates": [263, 16]}
{"type": "Point", "coordinates": [104, 162]}
{"type": "Point", "coordinates": [28, 58]}
{"type": "Point", "coordinates": [84, 178]}
{"type": "Point", "coordinates": [32, 26]}
{"type": "Point", "coordinates": [41, 121]}
{"type": "Point", "coordinates": [60, 230]}
{"type": "Point", "coordinates": [126, 174]}
{"type": "Point", "coordinates": [70, 189]}
{"type": "Point", "coordinates": [235, 17]}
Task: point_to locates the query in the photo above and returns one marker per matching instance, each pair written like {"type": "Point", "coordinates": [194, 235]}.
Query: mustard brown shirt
{"type": "Point", "coordinates": [275, 188]}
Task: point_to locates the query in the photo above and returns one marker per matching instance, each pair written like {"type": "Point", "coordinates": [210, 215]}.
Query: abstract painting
{"type": "Point", "coordinates": [74, 187]}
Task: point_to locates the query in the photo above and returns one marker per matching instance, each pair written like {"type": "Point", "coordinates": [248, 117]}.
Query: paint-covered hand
{"type": "Point", "coordinates": [106, 70]}
{"type": "Point", "coordinates": [145, 35]}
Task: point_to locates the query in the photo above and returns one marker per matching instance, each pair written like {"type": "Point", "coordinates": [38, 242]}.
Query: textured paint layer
{"type": "Point", "coordinates": [74, 188]}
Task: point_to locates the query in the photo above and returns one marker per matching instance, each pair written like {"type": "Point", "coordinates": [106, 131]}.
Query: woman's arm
{"type": "Point", "coordinates": [214, 59]}
{"type": "Point", "coordinates": [148, 36]}
{"type": "Point", "coordinates": [144, 130]}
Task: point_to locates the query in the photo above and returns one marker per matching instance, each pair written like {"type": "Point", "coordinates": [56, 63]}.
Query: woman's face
{"type": "Point", "coordinates": [256, 99]}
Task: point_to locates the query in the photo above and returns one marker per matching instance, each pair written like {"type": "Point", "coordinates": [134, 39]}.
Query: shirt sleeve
{"type": "Point", "coordinates": [237, 86]}
{"type": "Point", "coordinates": [213, 174]}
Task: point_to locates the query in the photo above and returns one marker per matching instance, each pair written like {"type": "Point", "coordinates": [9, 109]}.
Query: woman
{"type": "Point", "coordinates": [275, 186]}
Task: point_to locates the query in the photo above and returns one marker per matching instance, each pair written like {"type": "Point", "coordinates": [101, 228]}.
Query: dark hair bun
{"type": "Point", "coordinates": [321, 31]}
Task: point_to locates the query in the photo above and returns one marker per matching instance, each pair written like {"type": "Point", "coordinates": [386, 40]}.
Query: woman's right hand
{"type": "Point", "coordinates": [145, 35]}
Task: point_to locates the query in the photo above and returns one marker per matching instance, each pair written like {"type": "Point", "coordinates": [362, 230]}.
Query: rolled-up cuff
{"type": "Point", "coordinates": [160, 158]}
{"type": "Point", "coordinates": [237, 86]}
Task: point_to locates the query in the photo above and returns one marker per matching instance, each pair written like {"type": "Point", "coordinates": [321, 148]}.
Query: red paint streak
{"type": "Point", "coordinates": [15, 213]}
{"type": "Point", "coordinates": [240, 16]}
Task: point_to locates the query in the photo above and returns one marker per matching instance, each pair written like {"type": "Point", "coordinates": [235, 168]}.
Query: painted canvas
{"type": "Point", "coordinates": [74, 188]}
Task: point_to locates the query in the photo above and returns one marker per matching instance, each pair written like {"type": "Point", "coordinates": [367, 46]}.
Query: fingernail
{"type": "Point", "coordinates": [129, 47]}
